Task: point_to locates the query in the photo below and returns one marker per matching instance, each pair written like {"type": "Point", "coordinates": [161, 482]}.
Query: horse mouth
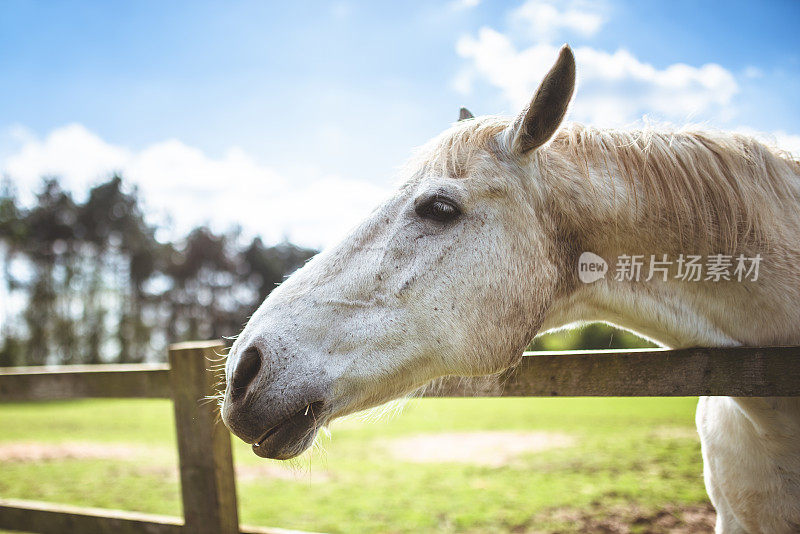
{"type": "Point", "coordinates": [292, 436]}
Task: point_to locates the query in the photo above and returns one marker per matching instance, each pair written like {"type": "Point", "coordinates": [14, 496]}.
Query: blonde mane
{"type": "Point", "coordinates": [722, 185]}
{"type": "Point", "coordinates": [711, 187]}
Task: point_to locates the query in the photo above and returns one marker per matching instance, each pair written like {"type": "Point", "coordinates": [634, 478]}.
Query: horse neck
{"type": "Point", "coordinates": [601, 211]}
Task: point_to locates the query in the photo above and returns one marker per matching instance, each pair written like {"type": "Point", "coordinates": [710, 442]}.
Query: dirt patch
{"type": "Point", "coordinates": [272, 471]}
{"type": "Point", "coordinates": [42, 452]}
{"type": "Point", "coordinates": [493, 449]}
{"type": "Point", "coordinates": [677, 432]}
{"type": "Point", "coordinates": [670, 519]}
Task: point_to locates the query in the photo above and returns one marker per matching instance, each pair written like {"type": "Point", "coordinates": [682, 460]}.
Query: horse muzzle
{"type": "Point", "coordinates": [292, 436]}
{"type": "Point", "coordinates": [274, 402]}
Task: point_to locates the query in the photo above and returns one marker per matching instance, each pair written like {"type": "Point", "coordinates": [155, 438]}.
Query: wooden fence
{"type": "Point", "coordinates": [206, 465]}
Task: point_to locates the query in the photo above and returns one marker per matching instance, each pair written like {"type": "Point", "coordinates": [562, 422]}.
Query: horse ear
{"type": "Point", "coordinates": [539, 121]}
{"type": "Point", "coordinates": [464, 114]}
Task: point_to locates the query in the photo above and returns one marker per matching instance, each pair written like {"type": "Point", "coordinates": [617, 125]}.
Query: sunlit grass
{"type": "Point", "coordinates": [628, 451]}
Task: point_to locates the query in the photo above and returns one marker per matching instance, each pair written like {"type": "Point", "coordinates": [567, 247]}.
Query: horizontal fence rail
{"type": "Point", "coordinates": [729, 371]}
{"type": "Point", "coordinates": [206, 463]}
{"type": "Point", "coordinates": [45, 517]}
{"type": "Point", "coordinates": [732, 371]}
{"type": "Point", "coordinates": [32, 516]}
{"type": "Point", "coordinates": [84, 381]}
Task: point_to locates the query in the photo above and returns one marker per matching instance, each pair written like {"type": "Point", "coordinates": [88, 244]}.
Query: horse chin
{"type": "Point", "coordinates": [291, 437]}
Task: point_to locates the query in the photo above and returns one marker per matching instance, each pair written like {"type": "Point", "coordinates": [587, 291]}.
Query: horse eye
{"type": "Point", "coordinates": [438, 209]}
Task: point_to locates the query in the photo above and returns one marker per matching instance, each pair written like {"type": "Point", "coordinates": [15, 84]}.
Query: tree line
{"type": "Point", "coordinates": [92, 282]}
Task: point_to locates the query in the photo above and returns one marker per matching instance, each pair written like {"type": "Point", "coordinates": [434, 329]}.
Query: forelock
{"type": "Point", "coordinates": [455, 150]}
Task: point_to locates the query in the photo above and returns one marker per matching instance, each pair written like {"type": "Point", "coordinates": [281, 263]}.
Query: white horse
{"type": "Point", "coordinates": [478, 251]}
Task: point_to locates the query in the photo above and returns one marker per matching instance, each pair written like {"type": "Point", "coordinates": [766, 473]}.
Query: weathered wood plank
{"type": "Point", "coordinates": [47, 518]}
{"type": "Point", "coordinates": [204, 444]}
{"type": "Point", "coordinates": [736, 371]}
{"type": "Point", "coordinates": [82, 381]}
{"type": "Point", "coordinates": [246, 529]}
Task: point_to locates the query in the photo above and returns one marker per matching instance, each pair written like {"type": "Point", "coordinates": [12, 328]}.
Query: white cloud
{"type": "Point", "coordinates": [779, 139]}
{"type": "Point", "coordinates": [787, 141]}
{"type": "Point", "coordinates": [614, 88]}
{"type": "Point", "coordinates": [544, 21]}
{"type": "Point", "coordinates": [753, 72]}
{"type": "Point", "coordinates": [459, 5]}
{"type": "Point", "coordinates": [341, 10]}
{"type": "Point", "coordinates": [190, 187]}
{"type": "Point", "coordinates": [72, 151]}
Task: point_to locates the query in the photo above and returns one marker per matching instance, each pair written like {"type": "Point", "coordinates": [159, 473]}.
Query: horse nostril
{"type": "Point", "coordinates": [245, 372]}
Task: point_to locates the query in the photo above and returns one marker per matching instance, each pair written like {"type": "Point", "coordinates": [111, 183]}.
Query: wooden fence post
{"type": "Point", "coordinates": [204, 444]}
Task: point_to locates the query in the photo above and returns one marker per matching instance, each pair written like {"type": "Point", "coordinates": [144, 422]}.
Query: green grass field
{"type": "Point", "coordinates": [633, 463]}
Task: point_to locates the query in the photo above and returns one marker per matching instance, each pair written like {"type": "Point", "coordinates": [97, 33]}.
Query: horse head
{"type": "Point", "coordinates": [450, 276]}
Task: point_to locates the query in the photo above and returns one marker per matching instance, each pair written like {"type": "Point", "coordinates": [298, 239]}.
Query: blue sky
{"type": "Point", "coordinates": [291, 118]}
